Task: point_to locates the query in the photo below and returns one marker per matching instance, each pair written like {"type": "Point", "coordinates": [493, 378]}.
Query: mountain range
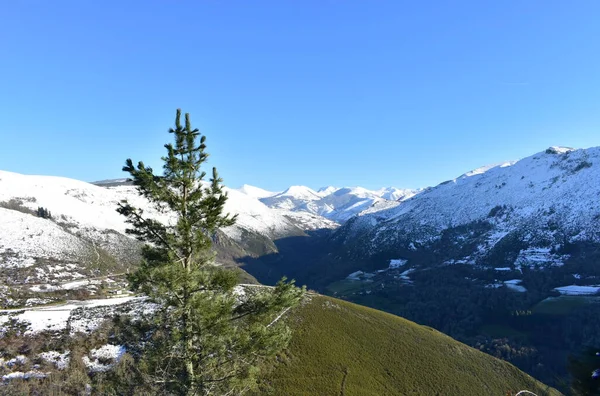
{"type": "Point", "coordinates": [337, 204]}
{"type": "Point", "coordinates": [539, 206]}
{"type": "Point", "coordinates": [518, 214]}
{"type": "Point", "coordinates": [85, 236]}
{"type": "Point", "coordinates": [520, 233]}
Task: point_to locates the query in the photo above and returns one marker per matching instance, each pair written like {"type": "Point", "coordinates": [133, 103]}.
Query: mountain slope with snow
{"type": "Point", "coordinates": [293, 198]}
{"type": "Point", "coordinates": [255, 192]}
{"type": "Point", "coordinates": [532, 207]}
{"type": "Point", "coordinates": [85, 236]}
{"type": "Point", "coordinates": [336, 204]}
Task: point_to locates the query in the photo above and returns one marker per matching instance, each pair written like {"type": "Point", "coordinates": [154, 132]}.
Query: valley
{"type": "Point", "coordinates": [504, 258]}
{"type": "Point", "coordinates": [494, 258]}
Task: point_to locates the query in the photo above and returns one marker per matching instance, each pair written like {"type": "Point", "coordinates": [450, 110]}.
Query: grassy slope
{"type": "Point", "coordinates": [345, 349]}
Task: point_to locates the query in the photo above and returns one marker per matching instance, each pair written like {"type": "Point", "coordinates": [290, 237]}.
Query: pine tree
{"type": "Point", "coordinates": [208, 337]}
{"type": "Point", "coordinates": [43, 213]}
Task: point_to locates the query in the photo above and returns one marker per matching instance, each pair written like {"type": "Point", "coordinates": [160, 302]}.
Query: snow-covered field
{"type": "Point", "coordinates": [96, 357]}
{"type": "Point", "coordinates": [59, 317]}
{"type": "Point", "coordinates": [72, 318]}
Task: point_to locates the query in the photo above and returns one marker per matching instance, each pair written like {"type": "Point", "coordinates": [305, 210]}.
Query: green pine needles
{"type": "Point", "coordinates": [209, 336]}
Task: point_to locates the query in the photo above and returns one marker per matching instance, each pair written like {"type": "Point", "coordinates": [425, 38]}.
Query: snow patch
{"type": "Point", "coordinates": [397, 263]}
{"type": "Point", "coordinates": [514, 284]}
{"type": "Point", "coordinates": [103, 358]}
{"type": "Point", "coordinates": [22, 375]}
{"type": "Point", "coordinates": [575, 290]}
{"type": "Point", "coordinates": [56, 318]}
{"type": "Point", "coordinates": [60, 360]}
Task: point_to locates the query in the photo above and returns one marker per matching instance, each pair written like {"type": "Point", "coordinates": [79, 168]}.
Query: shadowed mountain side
{"type": "Point", "coordinates": [303, 258]}
{"type": "Point", "coordinates": [319, 259]}
{"type": "Point", "coordinates": [315, 260]}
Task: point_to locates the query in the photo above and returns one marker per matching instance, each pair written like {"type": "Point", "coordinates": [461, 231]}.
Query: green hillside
{"type": "Point", "coordinates": [340, 348]}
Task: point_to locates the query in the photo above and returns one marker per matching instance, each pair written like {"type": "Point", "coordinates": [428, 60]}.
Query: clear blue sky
{"type": "Point", "coordinates": [344, 93]}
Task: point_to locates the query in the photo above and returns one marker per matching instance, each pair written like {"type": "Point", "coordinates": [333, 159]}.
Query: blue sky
{"type": "Point", "coordinates": [371, 93]}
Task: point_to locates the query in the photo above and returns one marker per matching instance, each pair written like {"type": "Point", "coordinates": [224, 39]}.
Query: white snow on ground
{"type": "Point", "coordinates": [29, 237]}
{"type": "Point", "coordinates": [16, 361]}
{"type": "Point", "coordinates": [503, 269]}
{"type": "Point", "coordinates": [535, 256]}
{"type": "Point", "coordinates": [574, 290]}
{"type": "Point", "coordinates": [56, 318]}
{"type": "Point", "coordinates": [394, 264]}
{"type": "Point", "coordinates": [75, 285]}
{"type": "Point", "coordinates": [405, 274]}
{"type": "Point", "coordinates": [31, 302]}
{"type": "Point", "coordinates": [106, 353]}
{"type": "Point", "coordinates": [397, 263]}
{"type": "Point", "coordinates": [21, 375]}
{"type": "Point", "coordinates": [60, 360]}
{"type": "Point", "coordinates": [514, 284]}
{"type": "Point", "coordinates": [239, 291]}
{"type": "Point", "coordinates": [355, 275]}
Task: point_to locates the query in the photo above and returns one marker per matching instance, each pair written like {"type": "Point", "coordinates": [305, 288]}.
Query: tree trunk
{"type": "Point", "coordinates": [188, 351]}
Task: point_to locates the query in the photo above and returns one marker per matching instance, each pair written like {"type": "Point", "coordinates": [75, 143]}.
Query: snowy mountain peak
{"type": "Point", "coordinates": [255, 192]}
{"type": "Point", "coordinates": [559, 150]}
{"type": "Point", "coordinates": [300, 192]}
{"type": "Point", "coordinates": [358, 191]}
{"type": "Point", "coordinates": [84, 218]}
{"type": "Point", "coordinates": [323, 191]}
{"type": "Point", "coordinates": [485, 168]}
{"type": "Point", "coordinates": [337, 204]}
{"type": "Point", "coordinates": [396, 194]}
{"type": "Point", "coordinates": [536, 204]}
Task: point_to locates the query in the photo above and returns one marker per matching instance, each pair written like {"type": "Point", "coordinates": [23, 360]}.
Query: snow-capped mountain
{"type": "Point", "coordinates": [324, 191]}
{"type": "Point", "coordinates": [514, 214]}
{"type": "Point", "coordinates": [509, 215]}
{"type": "Point", "coordinates": [255, 192]}
{"type": "Point", "coordinates": [337, 204]}
{"type": "Point", "coordinates": [395, 194]}
{"type": "Point", "coordinates": [85, 231]}
{"type": "Point", "coordinates": [293, 198]}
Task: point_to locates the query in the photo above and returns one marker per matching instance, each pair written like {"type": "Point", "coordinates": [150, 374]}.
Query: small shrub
{"type": "Point", "coordinates": [43, 213]}
{"type": "Point", "coordinates": [16, 204]}
{"type": "Point", "coordinates": [497, 211]}
{"type": "Point", "coordinates": [582, 165]}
